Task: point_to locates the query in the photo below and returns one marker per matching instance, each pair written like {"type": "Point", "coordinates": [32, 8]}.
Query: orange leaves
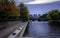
{"type": "Point", "coordinates": [9, 9]}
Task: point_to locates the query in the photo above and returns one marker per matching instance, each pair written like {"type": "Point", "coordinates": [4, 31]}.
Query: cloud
{"type": "Point", "coordinates": [17, 2]}
{"type": "Point", "coordinates": [41, 1]}
{"type": "Point", "coordinates": [23, 1]}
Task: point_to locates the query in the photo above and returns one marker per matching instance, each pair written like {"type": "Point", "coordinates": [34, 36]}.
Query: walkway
{"type": "Point", "coordinates": [6, 32]}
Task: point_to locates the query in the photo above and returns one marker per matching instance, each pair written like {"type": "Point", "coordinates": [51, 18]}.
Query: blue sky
{"type": "Point", "coordinates": [40, 6]}
{"type": "Point", "coordinates": [43, 8]}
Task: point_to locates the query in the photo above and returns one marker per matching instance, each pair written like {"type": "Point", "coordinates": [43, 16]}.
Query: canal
{"type": "Point", "coordinates": [43, 29]}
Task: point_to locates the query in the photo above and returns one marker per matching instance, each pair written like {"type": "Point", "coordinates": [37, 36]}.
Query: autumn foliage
{"type": "Point", "coordinates": [9, 9]}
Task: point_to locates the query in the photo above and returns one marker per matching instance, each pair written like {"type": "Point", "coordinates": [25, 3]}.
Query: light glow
{"type": "Point", "coordinates": [41, 1]}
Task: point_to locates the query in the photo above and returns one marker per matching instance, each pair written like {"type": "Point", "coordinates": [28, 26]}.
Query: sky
{"type": "Point", "coordinates": [41, 1]}
{"type": "Point", "coordinates": [40, 6]}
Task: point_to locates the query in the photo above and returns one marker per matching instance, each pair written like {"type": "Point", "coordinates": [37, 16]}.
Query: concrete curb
{"type": "Point", "coordinates": [16, 32]}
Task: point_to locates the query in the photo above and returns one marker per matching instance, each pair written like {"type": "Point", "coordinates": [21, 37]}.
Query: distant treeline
{"type": "Point", "coordinates": [51, 15]}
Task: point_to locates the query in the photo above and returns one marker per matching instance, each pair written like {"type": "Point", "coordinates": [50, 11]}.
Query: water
{"type": "Point", "coordinates": [43, 30]}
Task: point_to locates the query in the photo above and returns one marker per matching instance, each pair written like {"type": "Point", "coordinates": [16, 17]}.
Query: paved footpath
{"type": "Point", "coordinates": [6, 32]}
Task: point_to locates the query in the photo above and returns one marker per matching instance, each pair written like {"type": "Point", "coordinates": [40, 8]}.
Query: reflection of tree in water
{"type": "Point", "coordinates": [54, 27]}
{"type": "Point", "coordinates": [54, 23]}
{"type": "Point", "coordinates": [3, 24]}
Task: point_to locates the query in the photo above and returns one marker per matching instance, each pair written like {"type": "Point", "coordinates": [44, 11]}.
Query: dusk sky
{"type": "Point", "coordinates": [40, 6]}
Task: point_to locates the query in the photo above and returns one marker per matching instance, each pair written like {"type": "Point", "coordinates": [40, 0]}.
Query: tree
{"type": "Point", "coordinates": [8, 9]}
{"type": "Point", "coordinates": [54, 15]}
{"type": "Point", "coordinates": [43, 16]}
{"type": "Point", "coordinates": [24, 12]}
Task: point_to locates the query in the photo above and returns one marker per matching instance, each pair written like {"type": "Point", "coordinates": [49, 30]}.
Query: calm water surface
{"type": "Point", "coordinates": [43, 29]}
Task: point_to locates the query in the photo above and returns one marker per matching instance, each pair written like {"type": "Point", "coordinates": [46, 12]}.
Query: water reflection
{"type": "Point", "coordinates": [55, 27]}
{"type": "Point", "coordinates": [43, 29]}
